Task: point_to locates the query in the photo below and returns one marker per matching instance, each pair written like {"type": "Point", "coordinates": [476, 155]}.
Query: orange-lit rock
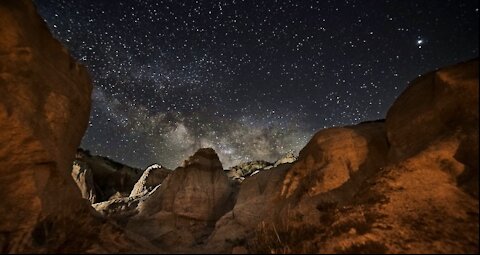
{"type": "Point", "coordinates": [44, 111]}
{"type": "Point", "coordinates": [409, 187]}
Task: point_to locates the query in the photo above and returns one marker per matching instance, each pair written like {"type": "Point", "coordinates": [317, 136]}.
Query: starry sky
{"type": "Point", "coordinates": [251, 79]}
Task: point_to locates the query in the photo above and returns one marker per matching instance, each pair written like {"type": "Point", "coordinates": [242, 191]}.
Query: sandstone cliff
{"type": "Point", "coordinates": [44, 111]}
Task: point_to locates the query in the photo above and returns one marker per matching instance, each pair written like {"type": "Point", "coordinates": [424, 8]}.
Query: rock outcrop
{"type": "Point", "coordinates": [335, 155]}
{"type": "Point", "coordinates": [111, 179]}
{"type": "Point", "coordinates": [44, 111]}
{"type": "Point", "coordinates": [181, 213]}
{"type": "Point", "coordinates": [83, 177]}
{"type": "Point", "coordinates": [240, 172]}
{"type": "Point", "coordinates": [122, 207]}
{"type": "Point", "coordinates": [286, 159]}
{"type": "Point", "coordinates": [256, 199]}
{"type": "Point", "coordinates": [199, 190]}
{"type": "Point", "coordinates": [153, 176]}
{"type": "Point", "coordinates": [407, 185]}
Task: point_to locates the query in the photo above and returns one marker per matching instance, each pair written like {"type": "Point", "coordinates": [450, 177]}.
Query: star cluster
{"type": "Point", "coordinates": [252, 79]}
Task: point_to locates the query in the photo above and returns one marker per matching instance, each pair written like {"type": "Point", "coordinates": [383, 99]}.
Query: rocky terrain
{"type": "Point", "coordinates": [110, 179]}
{"type": "Point", "coordinates": [406, 184]}
{"type": "Point", "coordinates": [244, 170]}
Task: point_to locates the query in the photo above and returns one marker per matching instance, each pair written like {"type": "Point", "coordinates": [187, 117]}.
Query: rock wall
{"type": "Point", "coordinates": [44, 110]}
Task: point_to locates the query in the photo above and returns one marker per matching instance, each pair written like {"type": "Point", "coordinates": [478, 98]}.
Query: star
{"type": "Point", "coordinates": [252, 79]}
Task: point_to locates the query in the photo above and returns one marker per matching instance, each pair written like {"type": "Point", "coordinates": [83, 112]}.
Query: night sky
{"type": "Point", "coordinates": [251, 79]}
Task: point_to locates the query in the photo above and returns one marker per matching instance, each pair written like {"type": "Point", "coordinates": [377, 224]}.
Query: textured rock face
{"type": "Point", "coordinates": [240, 172]}
{"type": "Point", "coordinates": [333, 156]}
{"type": "Point", "coordinates": [44, 110]}
{"type": "Point", "coordinates": [287, 158]}
{"type": "Point", "coordinates": [112, 179]}
{"type": "Point", "coordinates": [151, 178]}
{"type": "Point", "coordinates": [442, 103]}
{"type": "Point", "coordinates": [199, 190]}
{"type": "Point", "coordinates": [426, 199]}
{"type": "Point", "coordinates": [82, 175]}
{"type": "Point", "coordinates": [256, 198]}
{"type": "Point", "coordinates": [438, 103]}
{"type": "Point", "coordinates": [179, 214]}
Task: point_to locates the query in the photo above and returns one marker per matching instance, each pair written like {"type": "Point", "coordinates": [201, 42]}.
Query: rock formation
{"type": "Point", "coordinates": [199, 190]}
{"type": "Point", "coordinates": [240, 172]}
{"type": "Point", "coordinates": [121, 207]}
{"type": "Point", "coordinates": [83, 177]}
{"type": "Point", "coordinates": [335, 155]}
{"type": "Point", "coordinates": [44, 111]}
{"type": "Point", "coordinates": [286, 159]}
{"type": "Point", "coordinates": [180, 214]}
{"type": "Point", "coordinates": [406, 184]}
{"type": "Point", "coordinates": [153, 176]}
{"type": "Point", "coordinates": [111, 179]}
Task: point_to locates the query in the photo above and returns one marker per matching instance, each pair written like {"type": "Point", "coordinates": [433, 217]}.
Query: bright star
{"type": "Point", "coordinates": [419, 41]}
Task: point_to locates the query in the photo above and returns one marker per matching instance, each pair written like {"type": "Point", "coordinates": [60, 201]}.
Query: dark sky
{"type": "Point", "coordinates": [252, 79]}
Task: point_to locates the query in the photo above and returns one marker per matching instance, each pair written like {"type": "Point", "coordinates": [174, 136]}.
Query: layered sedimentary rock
{"type": "Point", "coordinates": [44, 111]}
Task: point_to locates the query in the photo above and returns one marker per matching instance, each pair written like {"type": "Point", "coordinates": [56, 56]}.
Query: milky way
{"type": "Point", "coordinates": [251, 79]}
